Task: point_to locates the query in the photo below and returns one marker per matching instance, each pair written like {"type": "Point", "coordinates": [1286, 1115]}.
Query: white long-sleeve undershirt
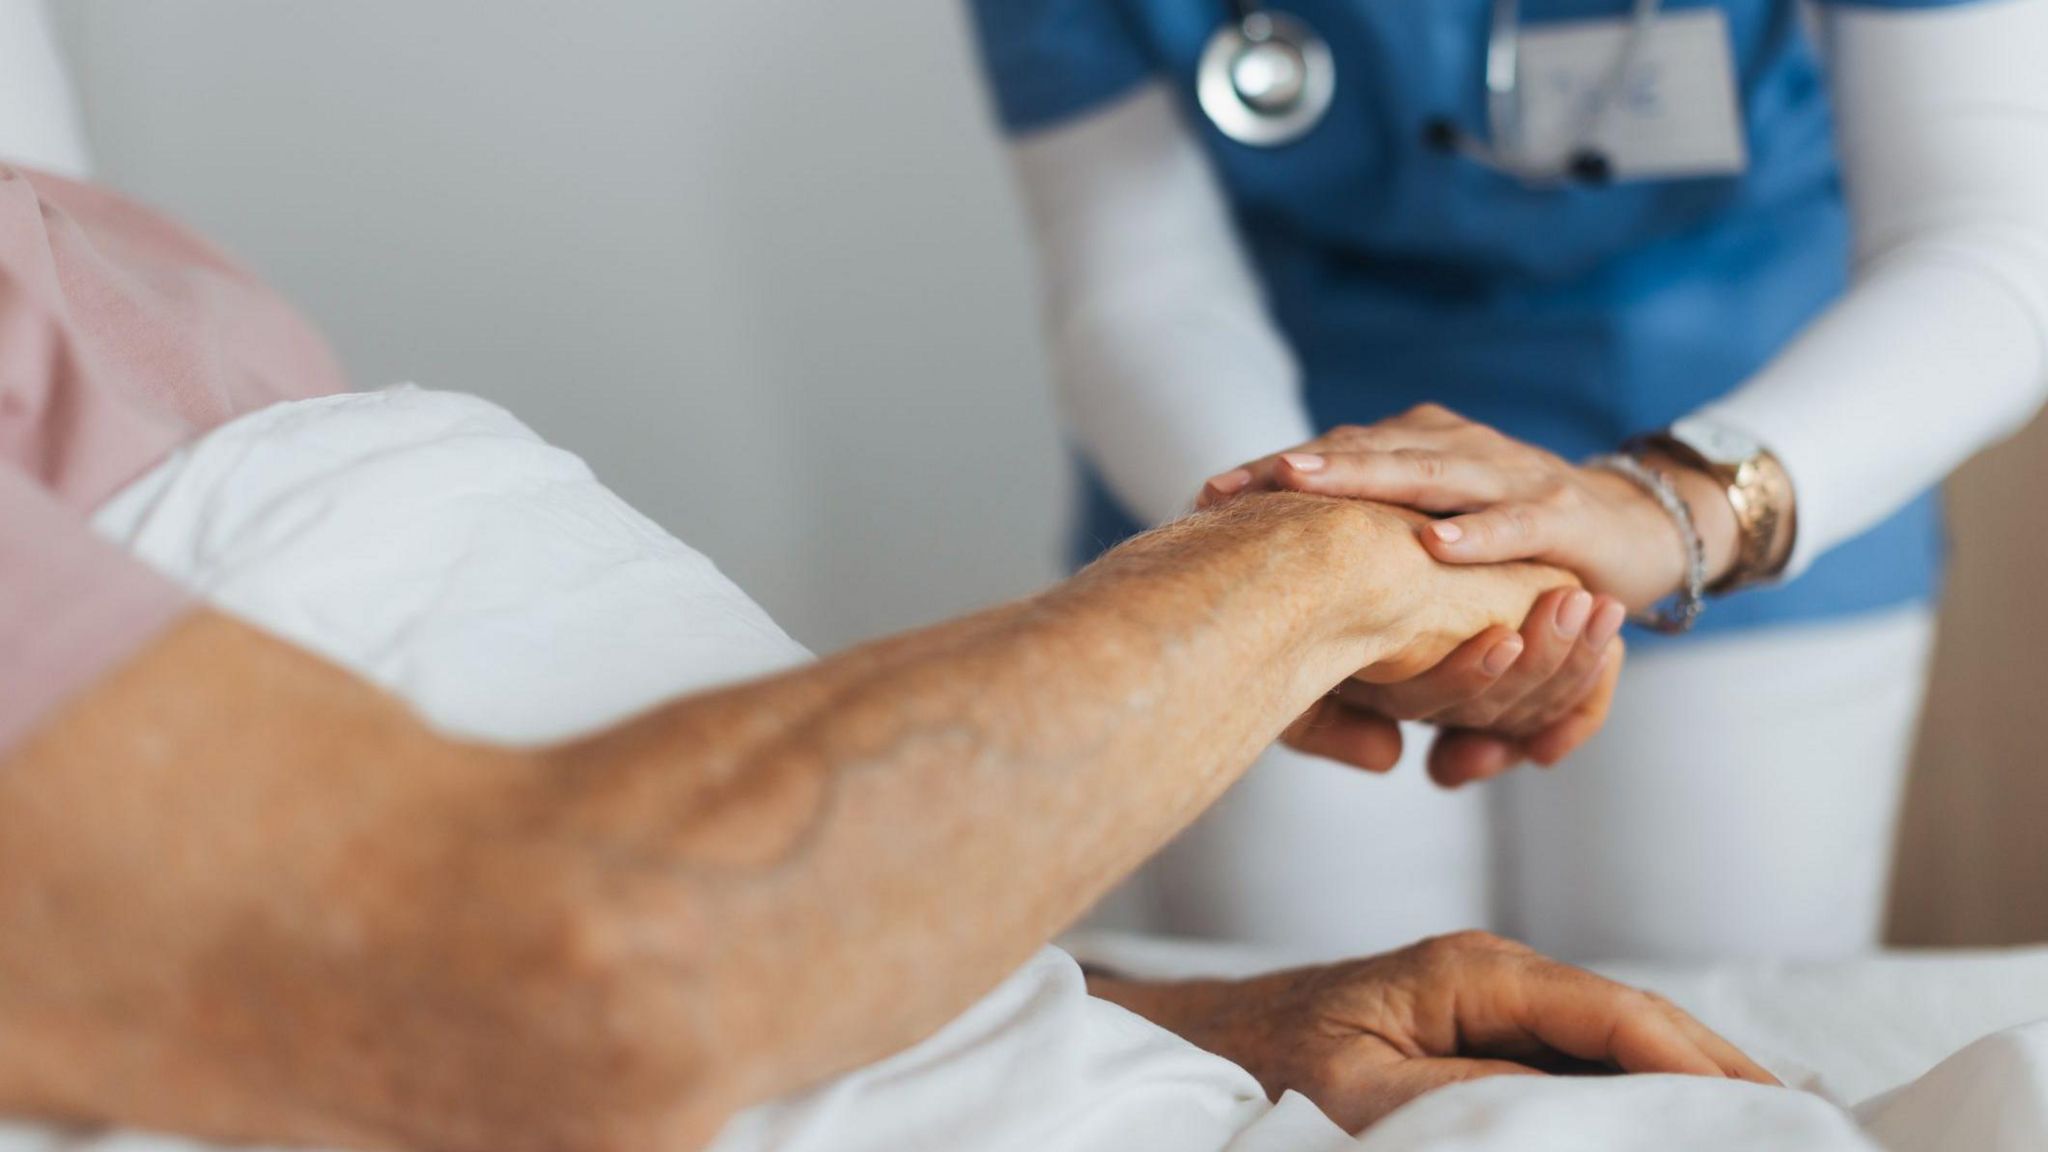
{"type": "Point", "coordinates": [1940, 347]}
{"type": "Point", "coordinates": [1169, 369]}
{"type": "Point", "coordinates": [1166, 365]}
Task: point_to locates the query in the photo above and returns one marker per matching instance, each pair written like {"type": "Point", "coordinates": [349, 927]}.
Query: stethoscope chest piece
{"type": "Point", "coordinates": [1265, 80]}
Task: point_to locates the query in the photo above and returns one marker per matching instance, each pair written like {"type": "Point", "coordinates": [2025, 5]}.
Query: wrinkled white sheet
{"type": "Point", "coordinates": [433, 544]}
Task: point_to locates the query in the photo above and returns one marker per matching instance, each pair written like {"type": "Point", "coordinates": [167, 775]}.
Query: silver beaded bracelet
{"type": "Point", "coordinates": [1692, 597]}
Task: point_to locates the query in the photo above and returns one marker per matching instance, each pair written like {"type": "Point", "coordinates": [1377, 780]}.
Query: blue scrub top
{"type": "Point", "coordinates": [1571, 318]}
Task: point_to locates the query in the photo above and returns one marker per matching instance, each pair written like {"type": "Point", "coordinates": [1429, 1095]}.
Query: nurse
{"type": "Point", "coordinates": [1780, 275]}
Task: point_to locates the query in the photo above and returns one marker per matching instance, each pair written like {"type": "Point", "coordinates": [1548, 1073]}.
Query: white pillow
{"type": "Point", "coordinates": [39, 121]}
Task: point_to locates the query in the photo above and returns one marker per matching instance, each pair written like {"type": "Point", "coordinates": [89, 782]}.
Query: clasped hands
{"type": "Point", "coordinates": [1481, 497]}
{"type": "Point", "coordinates": [1361, 1039]}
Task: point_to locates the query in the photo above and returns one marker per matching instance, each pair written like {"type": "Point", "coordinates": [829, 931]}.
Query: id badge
{"type": "Point", "coordinates": [1676, 114]}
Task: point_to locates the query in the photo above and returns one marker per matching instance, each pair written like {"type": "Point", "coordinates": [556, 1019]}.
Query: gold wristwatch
{"type": "Point", "coordinates": [1758, 488]}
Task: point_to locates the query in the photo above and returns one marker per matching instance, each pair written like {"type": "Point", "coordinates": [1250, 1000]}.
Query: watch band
{"type": "Point", "coordinates": [1759, 491]}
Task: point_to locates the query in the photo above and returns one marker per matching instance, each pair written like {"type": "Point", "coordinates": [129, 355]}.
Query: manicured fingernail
{"type": "Point", "coordinates": [1606, 623]}
{"type": "Point", "coordinates": [1502, 656]}
{"type": "Point", "coordinates": [1230, 481]}
{"type": "Point", "coordinates": [1571, 615]}
{"type": "Point", "coordinates": [1303, 461]}
{"type": "Point", "coordinates": [1447, 532]}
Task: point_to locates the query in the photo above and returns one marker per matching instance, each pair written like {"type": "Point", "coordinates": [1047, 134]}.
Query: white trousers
{"type": "Point", "coordinates": [1741, 802]}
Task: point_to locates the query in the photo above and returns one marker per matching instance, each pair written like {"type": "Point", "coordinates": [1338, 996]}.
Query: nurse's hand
{"type": "Point", "coordinates": [1504, 500]}
{"type": "Point", "coordinates": [1502, 697]}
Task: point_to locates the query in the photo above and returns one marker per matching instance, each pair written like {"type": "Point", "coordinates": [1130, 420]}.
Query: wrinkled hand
{"type": "Point", "coordinates": [1498, 696]}
{"type": "Point", "coordinates": [1507, 500]}
{"type": "Point", "coordinates": [1363, 1038]}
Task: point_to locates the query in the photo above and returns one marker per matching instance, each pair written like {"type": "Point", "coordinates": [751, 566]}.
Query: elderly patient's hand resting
{"type": "Point", "coordinates": [1363, 1038]}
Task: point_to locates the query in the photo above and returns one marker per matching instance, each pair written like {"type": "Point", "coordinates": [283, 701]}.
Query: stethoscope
{"type": "Point", "coordinates": [1266, 79]}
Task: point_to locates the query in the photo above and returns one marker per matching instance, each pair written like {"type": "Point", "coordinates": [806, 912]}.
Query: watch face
{"type": "Point", "coordinates": [1717, 442]}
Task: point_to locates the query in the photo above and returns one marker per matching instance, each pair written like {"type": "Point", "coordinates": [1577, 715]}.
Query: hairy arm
{"type": "Point", "coordinates": [248, 897]}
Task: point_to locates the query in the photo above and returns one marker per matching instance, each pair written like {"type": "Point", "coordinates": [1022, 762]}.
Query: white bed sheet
{"type": "Point", "coordinates": [438, 547]}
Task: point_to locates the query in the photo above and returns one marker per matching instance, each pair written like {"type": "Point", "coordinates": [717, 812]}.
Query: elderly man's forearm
{"type": "Point", "coordinates": [875, 841]}
{"type": "Point", "coordinates": [622, 941]}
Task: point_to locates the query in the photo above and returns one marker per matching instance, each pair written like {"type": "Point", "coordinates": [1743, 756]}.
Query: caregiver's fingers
{"type": "Point", "coordinates": [1560, 694]}
{"type": "Point", "coordinates": [1337, 731]}
{"type": "Point", "coordinates": [1425, 428]}
{"type": "Point", "coordinates": [1422, 478]}
{"type": "Point", "coordinates": [1462, 756]}
{"type": "Point", "coordinates": [1263, 473]}
{"type": "Point", "coordinates": [1223, 486]}
{"type": "Point", "coordinates": [1550, 633]}
{"type": "Point", "coordinates": [1515, 530]}
{"type": "Point", "coordinates": [1479, 738]}
{"type": "Point", "coordinates": [1252, 476]}
{"type": "Point", "coordinates": [1468, 672]}
{"type": "Point", "coordinates": [1550, 746]}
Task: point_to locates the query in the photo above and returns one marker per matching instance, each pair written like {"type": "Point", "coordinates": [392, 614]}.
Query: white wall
{"type": "Point", "coordinates": [757, 261]}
